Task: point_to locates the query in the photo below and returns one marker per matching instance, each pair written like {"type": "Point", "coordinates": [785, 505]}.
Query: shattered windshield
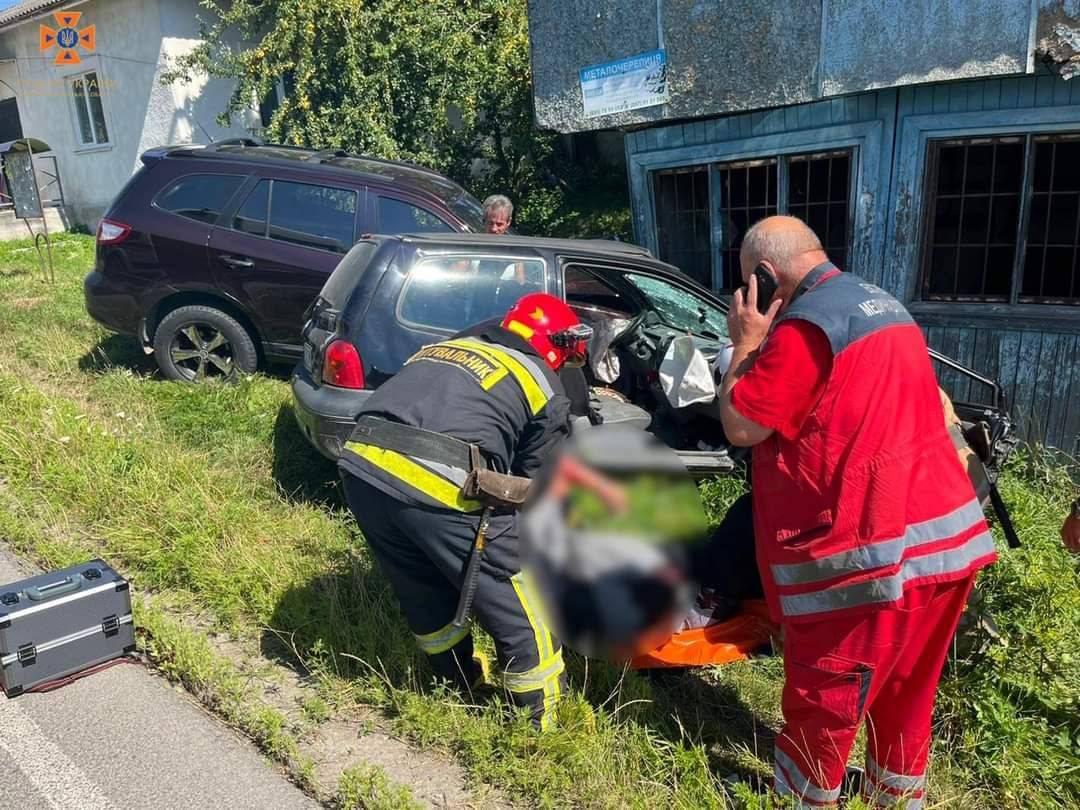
{"type": "Point", "coordinates": [681, 309]}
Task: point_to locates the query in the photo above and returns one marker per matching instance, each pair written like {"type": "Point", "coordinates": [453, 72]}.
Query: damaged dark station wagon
{"type": "Point", "coordinates": [391, 295]}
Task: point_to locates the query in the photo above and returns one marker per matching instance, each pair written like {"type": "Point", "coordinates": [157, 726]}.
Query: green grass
{"type": "Point", "coordinates": [211, 498]}
{"type": "Point", "coordinates": [366, 787]}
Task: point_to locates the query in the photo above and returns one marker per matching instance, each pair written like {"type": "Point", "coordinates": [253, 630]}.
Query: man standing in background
{"type": "Point", "coordinates": [498, 213]}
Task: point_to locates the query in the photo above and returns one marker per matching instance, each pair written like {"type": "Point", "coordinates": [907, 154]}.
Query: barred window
{"type": "Point", "coordinates": [818, 194]}
{"type": "Point", "coordinates": [1051, 273]}
{"type": "Point", "coordinates": [682, 220]}
{"type": "Point", "coordinates": [1003, 220]}
{"type": "Point", "coordinates": [816, 187]}
{"type": "Point", "coordinates": [748, 192]}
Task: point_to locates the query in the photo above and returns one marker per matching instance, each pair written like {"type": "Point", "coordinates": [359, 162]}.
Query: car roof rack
{"type": "Point", "coordinates": [387, 162]}
{"type": "Point", "coordinates": [326, 155]}
{"type": "Point", "coordinates": [216, 145]}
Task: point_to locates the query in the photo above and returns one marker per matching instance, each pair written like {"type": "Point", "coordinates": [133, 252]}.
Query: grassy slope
{"type": "Point", "coordinates": [211, 497]}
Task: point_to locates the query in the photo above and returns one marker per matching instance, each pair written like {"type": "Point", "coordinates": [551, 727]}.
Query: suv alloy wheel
{"type": "Point", "coordinates": [196, 343]}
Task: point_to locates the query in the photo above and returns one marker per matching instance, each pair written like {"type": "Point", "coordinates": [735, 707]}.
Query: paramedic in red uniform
{"type": "Point", "coordinates": [867, 529]}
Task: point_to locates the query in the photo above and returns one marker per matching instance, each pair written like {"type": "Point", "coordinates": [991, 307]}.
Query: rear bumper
{"type": "Point", "coordinates": [110, 305]}
{"type": "Point", "coordinates": [326, 415]}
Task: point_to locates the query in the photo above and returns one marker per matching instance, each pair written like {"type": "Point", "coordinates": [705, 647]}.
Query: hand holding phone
{"type": "Point", "coordinates": [766, 288]}
{"type": "Point", "coordinates": [752, 329]}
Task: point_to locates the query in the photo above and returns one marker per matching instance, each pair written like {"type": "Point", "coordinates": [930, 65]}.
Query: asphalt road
{"type": "Point", "coordinates": [124, 738]}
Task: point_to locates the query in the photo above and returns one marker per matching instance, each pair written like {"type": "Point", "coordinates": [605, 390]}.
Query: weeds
{"type": "Point", "coordinates": [367, 787]}
{"type": "Point", "coordinates": [211, 495]}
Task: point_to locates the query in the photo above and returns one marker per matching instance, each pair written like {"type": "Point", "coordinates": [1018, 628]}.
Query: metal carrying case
{"type": "Point", "coordinates": [60, 623]}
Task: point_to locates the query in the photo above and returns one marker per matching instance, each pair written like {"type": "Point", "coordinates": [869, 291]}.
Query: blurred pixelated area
{"type": "Point", "coordinates": [610, 543]}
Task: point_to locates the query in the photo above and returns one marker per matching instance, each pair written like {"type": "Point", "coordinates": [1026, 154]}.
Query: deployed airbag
{"type": "Point", "coordinates": [685, 375]}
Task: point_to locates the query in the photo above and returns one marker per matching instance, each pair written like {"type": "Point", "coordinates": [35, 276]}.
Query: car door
{"type": "Point", "coordinates": [639, 310]}
{"type": "Point", "coordinates": [274, 251]}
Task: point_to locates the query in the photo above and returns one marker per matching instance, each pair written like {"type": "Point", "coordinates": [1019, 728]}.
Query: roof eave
{"type": "Point", "coordinates": [13, 17]}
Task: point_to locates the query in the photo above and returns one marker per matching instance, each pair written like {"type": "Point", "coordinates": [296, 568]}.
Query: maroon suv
{"type": "Point", "coordinates": [212, 254]}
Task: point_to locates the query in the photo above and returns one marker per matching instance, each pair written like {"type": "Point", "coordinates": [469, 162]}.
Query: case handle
{"type": "Point", "coordinates": [66, 585]}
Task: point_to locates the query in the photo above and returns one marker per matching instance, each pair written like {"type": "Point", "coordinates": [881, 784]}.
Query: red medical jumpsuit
{"type": "Point", "coordinates": [868, 534]}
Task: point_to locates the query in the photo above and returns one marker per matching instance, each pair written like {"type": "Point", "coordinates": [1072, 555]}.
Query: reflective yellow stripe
{"type": "Point", "coordinates": [405, 469]}
{"type": "Point", "coordinates": [442, 639]}
{"type": "Point", "coordinates": [491, 379]}
{"type": "Point", "coordinates": [518, 328]}
{"type": "Point", "coordinates": [545, 650]}
{"type": "Point", "coordinates": [544, 645]}
{"type": "Point", "coordinates": [537, 677]}
{"type": "Point", "coordinates": [533, 392]}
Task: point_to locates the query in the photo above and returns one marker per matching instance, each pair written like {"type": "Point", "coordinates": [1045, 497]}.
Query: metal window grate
{"type": "Point", "coordinates": [748, 192]}
{"type": "Point", "coordinates": [1003, 220]}
{"type": "Point", "coordinates": [818, 194]}
{"type": "Point", "coordinates": [973, 207]}
{"type": "Point", "coordinates": [816, 187]}
{"type": "Point", "coordinates": [682, 220]}
{"type": "Point", "coordinates": [1051, 273]}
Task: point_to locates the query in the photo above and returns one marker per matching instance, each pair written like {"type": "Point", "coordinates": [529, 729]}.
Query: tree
{"type": "Point", "coordinates": [445, 83]}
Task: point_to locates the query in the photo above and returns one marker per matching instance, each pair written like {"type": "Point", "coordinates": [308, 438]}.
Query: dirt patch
{"type": "Point", "coordinates": [338, 743]}
{"type": "Point", "coordinates": [25, 303]}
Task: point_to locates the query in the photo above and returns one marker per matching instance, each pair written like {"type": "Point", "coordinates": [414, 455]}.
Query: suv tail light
{"type": "Point", "coordinates": [342, 366]}
{"type": "Point", "coordinates": [110, 232]}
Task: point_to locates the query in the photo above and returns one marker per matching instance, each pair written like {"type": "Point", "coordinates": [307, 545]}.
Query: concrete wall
{"type": "Point", "coordinates": [134, 40]}
{"type": "Point", "coordinates": [736, 55]}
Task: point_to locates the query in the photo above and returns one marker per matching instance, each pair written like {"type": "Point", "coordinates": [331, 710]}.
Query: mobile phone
{"type": "Point", "coordinates": [766, 288]}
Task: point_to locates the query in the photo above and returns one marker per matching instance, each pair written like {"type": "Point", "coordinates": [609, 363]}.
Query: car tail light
{"type": "Point", "coordinates": [110, 232]}
{"type": "Point", "coordinates": [342, 366]}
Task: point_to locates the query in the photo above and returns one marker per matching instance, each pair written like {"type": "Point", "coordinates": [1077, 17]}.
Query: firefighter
{"type": "Point", "coordinates": [867, 528]}
{"type": "Point", "coordinates": [492, 403]}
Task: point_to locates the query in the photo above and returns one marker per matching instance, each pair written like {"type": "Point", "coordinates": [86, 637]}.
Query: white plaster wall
{"type": "Point", "coordinates": [134, 39]}
{"type": "Point", "coordinates": [7, 74]}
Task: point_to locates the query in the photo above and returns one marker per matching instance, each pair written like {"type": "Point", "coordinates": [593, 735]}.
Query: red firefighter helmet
{"type": "Point", "coordinates": [550, 327]}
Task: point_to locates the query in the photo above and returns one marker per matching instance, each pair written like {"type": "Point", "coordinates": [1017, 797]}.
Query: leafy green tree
{"type": "Point", "coordinates": [445, 83]}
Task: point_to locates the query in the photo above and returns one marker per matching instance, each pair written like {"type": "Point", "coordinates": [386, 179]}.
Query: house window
{"type": "Point", "coordinates": [271, 102]}
{"type": "Point", "coordinates": [816, 187]}
{"type": "Point", "coordinates": [1051, 273]}
{"type": "Point", "coordinates": [748, 192]}
{"type": "Point", "coordinates": [682, 220]}
{"type": "Point", "coordinates": [819, 187]}
{"type": "Point", "coordinates": [10, 125]}
{"type": "Point", "coordinates": [89, 114]}
{"type": "Point", "coordinates": [1003, 220]}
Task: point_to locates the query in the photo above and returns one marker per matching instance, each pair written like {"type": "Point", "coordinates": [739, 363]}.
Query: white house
{"type": "Point", "coordinates": [100, 114]}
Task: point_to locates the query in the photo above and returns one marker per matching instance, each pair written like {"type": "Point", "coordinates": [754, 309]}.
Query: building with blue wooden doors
{"type": "Point", "coordinates": [933, 145]}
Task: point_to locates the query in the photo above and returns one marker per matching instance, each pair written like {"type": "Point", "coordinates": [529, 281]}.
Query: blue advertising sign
{"type": "Point", "coordinates": [626, 84]}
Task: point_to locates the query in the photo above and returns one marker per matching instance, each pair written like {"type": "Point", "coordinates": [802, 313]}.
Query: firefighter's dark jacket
{"type": "Point", "coordinates": [490, 389]}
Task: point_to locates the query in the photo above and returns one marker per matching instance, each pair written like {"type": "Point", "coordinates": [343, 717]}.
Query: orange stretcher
{"type": "Point", "coordinates": [734, 639]}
